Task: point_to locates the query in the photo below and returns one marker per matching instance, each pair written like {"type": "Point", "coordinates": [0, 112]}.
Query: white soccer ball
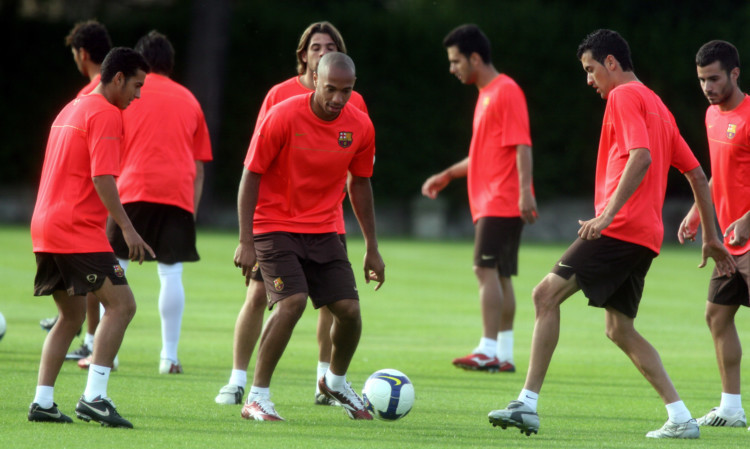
{"type": "Point", "coordinates": [2, 326]}
{"type": "Point", "coordinates": [388, 394]}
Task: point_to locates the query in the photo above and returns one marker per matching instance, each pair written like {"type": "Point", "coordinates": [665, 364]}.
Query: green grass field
{"type": "Point", "coordinates": [425, 315]}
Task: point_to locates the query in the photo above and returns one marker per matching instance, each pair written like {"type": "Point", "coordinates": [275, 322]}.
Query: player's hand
{"type": "Point", "coordinates": [137, 247]}
{"type": "Point", "coordinates": [714, 249]}
{"type": "Point", "coordinates": [245, 258]}
{"type": "Point", "coordinates": [689, 227]}
{"type": "Point", "coordinates": [434, 185]}
{"type": "Point", "coordinates": [527, 206]}
{"type": "Point", "coordinates": [739, 231]}
{"type": "Point", "coordinates": [374, 268]}
{"type": "Point", "coordinates": [592, 229]}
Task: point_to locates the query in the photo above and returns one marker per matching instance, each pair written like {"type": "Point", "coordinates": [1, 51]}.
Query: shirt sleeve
{"type": "Point", "coordinates": [683, 158]}
{"type": "Point", "coordinates": [104, 142]}
{"type": "Point", "coordinates": [364, 159]}
{"type": "Point", "coordinates": [513, 116]}
{"type": "Point", "coordinates": [628, 121]}
{"type": "Point", "coordinates": [202, 140]}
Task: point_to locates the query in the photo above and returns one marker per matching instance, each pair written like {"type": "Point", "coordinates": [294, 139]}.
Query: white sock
{"type": "Point", "coordinates": [238, 377]}
{"type": "Point", "coordinates": [730, 403]}
{"type": "Point", "coordinates": [322, 369]}
{"type": "Point", "coordinates": [171, 306]}
{"type": "Point", "coordinates": [97, 382]}
{"type": "Point", "coordinates": [44, 396]}
{"type": "Point", "coordinates": [88, 340]}
{"type": "Point", "coordinates": [487, 346]}
{"type": "Point", "coordinates": [258, 391]}
{"type": "Point", "coordinates": [505, 346]}
{"type": "Point", "coordinates": [529, 398]}
{"type": "Point", "coordinates": [335, 382]}
{"type": "Point", "coordinates": [678, 413]}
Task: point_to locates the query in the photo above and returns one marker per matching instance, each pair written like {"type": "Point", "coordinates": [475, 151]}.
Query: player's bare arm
{"type": "Point", "coordinates": [106, 188]}
{"type": "Point", "coordinates": [439, 181]}
{"type": "Point", "coordinates": [638, 163]}
{"type": "Point", "coordinates": [526, 200]}
{"type": "Point", "coordinates": [360, 195]}
{"type": "Point", "coordinates": [689, 227]}
{"type": "Point", "coordinates": [247, 199]}
{"type": "Point", "coordinates": [739, 230]}
{"type": "Point", "coordinates": [713, 247]}
{"type": "Point", "coordinates": [198, 186]}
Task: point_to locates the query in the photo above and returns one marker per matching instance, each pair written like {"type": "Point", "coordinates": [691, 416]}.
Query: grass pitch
{"type": "Point", "coordinates": [426, 314]}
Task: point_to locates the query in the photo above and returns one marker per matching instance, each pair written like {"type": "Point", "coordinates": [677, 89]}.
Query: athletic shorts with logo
{"type": "Point", "coordinates": [496, 242]}
{"type": "Point", "coordinates": [314, 264]}
{"type": "Point", "coordinates": [168, 230]}
{"type": "Point", "coordinates": [77, 274]}
{"type": "Point", "coordinates": [611, 272]}
{"type": "Point", "coordinates": [258, 276]}
{"type": "Point", "coordinates": [732, 290]}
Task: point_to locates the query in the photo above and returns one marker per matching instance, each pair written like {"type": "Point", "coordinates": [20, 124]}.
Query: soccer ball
{"type": "Point", "coordinates": [2, 326]}
{"type": "Point", "coordinates": [388, 394]}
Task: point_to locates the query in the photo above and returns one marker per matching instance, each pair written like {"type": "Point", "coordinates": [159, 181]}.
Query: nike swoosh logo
{"type": "Point", "coordinates": [98, 412]}
{"type": "Point", "coordinates": [480, 361]}
{"type": "Point", "coordinates": [98, 372]}
{"type": "Point", "coordinates": [560, 264]}
{"type": "Point", "coordinates": [300, 134]}
{"type": "Point", "coordinates": [394, 379]}
{"type": "Point", "coordinates": [486, 257]}
{"type": "Point", "coordinates": [51, 415]}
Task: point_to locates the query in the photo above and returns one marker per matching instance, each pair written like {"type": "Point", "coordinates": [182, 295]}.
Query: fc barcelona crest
{"type": "Point", "coordinates": [731, 130]}
{"type": "Point", "coordinates": [278, 284]}
{"type": "Point", "coordinates": [119, 272]}
{"type": "Point", "coordinates": [345, 139]}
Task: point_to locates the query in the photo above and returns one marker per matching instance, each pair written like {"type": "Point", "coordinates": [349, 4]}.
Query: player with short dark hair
{"type": "Point", "coordinates": [90, 42]}
{"type": "Point", "coordinates": [296, 169]}
{"type": "Point", "coordinates": [501, 192]}
{"type": "Point", "coordinates": [318, 39]}
{"type": "Point", "coordinates": [76, 193]}
{"type": "Point", "coordinates": [165, 145]}
{"type": "Point", "coordinates": [609, 261]}
{"type": "Point", "coordinates": [728, 130]}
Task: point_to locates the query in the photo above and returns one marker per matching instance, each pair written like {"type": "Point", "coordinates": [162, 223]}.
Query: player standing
{"type": "Point", "coordinates": [501, 194]}
{"type": "Point", "coordinates": [639, 141]}
{"type": "Point", "coordinates": [76, 192]}
{"type": "Point", "coordinates": [318, 39]}
{"type": "Point", "coordinates": [165, 145]}
{"type": "Point", "coordinates": [728, 129]}
{"type": "Point", "coordinates": [296, 169]}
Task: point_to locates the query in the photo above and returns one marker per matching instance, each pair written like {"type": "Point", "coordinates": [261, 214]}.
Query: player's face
{"type": "Point", "coordinates": [716, 83]}
{"type": "Point", "coordinates": [129, 89]}
{"type": "Point", "coordinates": [320, 44]}
{"type": "Point", "coordinates": [598, 75]}
{"type": "Point", "coordinates": [332, 92]}
{"type": "Point", "coordinates": [460, 66]}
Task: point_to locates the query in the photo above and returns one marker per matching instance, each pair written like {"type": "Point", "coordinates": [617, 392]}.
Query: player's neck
{"type": "Point", "coordinates": [733, 101]}
{"type": "Point", "coordinates": [625, 77]}
{"type": "Point", "coordinates": [307, 80]}
{"type": "Point", "coordinates": [93, 70]}
{"type": "Point", "coordinates": [485, 74]}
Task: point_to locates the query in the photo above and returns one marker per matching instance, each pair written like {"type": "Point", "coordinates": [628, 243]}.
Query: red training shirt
{"type": "Point", "coordinates": [165, 133]}
{"type": "Point", "coordinates": [635, 117]}
{"type": "Point", "coordinates": [288, 89]}
{"type": "Point", "coordinates": [501, 123]}
{"type": "Point", "coordinates": [729, 145]}
{"type": "Point", "coordinates": [69, 217]}
{"type": "Point", "coordinates": [304, 161]}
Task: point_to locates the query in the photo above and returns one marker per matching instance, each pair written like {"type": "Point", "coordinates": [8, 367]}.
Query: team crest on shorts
{"type": "Point", "coordinates": [91, 278]}
{"type": "Point", "coordinates": [731, 130]}
{"type": "Point", "coordinates": [119, 272]}
{"type": "Point", "coordinates": [278, 284]}
{"type": "Point", "coordinates": [345, 139]}
{"type": "Point", "coordinates": [255, 267]}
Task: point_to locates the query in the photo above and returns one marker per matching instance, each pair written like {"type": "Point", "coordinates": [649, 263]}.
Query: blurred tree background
{"type": "Point", "coordinates": [230, 52]}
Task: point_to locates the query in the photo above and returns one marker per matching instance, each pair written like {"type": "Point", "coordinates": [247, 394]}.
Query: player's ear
{"type": "Point", "coordinates": [610, 62]}
{"type": "Point", "coordinates": [734, 74]}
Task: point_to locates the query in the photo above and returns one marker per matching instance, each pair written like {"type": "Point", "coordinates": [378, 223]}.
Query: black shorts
{"type": "Point", "coordinates": [168, 230]}
{"type": "Point", "coordinates": [610, 272]}
{"type": "Point", "coordinates": [733, 290]}
{"type": "Point", "coordinates": [496, 242]}
{"type": "Point", "coordinates": [77, 274]}
{"type": "Point", "coordinates": [257, 276]}
{"type": "Point", "coordinates": [313, 264]}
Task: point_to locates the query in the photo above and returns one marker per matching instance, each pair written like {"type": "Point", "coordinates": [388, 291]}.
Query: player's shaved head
{"type": "Point", "coordinates": [335, 60]}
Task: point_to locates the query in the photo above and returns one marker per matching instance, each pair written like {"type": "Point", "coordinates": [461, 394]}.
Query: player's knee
{"type": "Point", "coordinates": [346, 311]}
{"type": "Point", "coordinates": [543, 297]}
